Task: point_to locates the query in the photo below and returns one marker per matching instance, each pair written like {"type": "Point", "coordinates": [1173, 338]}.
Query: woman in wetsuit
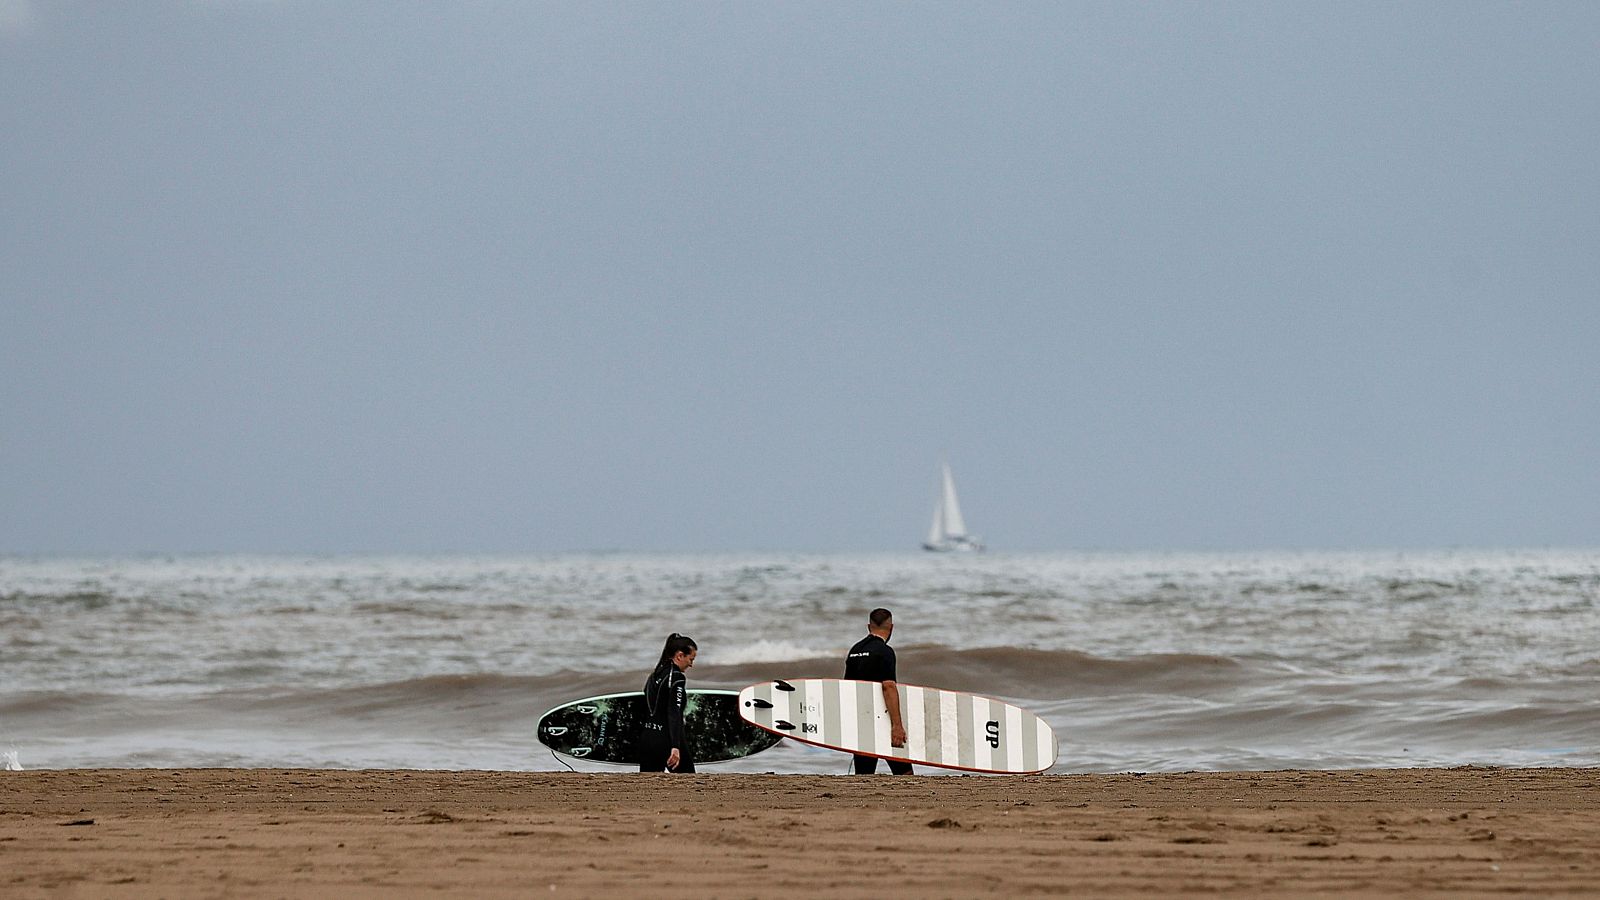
{"type": "Point", "coordinates": [663, 746]}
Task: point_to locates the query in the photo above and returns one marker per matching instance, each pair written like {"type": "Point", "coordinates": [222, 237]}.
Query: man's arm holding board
{"type": "Point", "coordinates": [897, 727]}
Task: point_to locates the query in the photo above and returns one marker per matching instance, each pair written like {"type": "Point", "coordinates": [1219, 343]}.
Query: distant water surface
{"type": "Point", "coordinates": [1144, 662]}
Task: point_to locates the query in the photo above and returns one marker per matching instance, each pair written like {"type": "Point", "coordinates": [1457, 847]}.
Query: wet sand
{"type": "Point", "coordinates": [321, 833]}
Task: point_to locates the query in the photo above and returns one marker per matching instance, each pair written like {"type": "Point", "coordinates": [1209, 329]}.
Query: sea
{"type": "Point", "coordinates": [1142, 662]}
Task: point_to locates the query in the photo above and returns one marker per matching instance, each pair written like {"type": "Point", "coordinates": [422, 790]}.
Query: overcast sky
{"type": "Point", "coordinates": [517, 277]}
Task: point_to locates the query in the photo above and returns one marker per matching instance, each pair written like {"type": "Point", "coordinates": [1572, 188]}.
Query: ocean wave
{"type": "Point", "coordinates": [52, 703]}
{"type": "Point", "coordinates": [458, 696]}
{"type": "Point", "coordinates": [85, 599]}
{"type": "Point", "coordinates": [1018, 672]}
{"type": "Point", "coordinates": [999, 671]}
{"type": "Point", "coordinates": [453, 707]}
{"type": "Point", "coordinates": [1032, 673]}
{"type": "Point", "coordinates": [435, 610]}
{"type": "Point", "coordinates": [1111, 714]}
{"type": "Point", "coordinates": [762, 651]}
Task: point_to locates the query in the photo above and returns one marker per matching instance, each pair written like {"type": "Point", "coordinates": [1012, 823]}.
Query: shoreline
{"type": "Point", "coordinates": [372, 833]}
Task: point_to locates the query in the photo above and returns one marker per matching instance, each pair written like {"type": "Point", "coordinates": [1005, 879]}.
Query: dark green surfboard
{"type": "Point", "coordinates": [606, 728]}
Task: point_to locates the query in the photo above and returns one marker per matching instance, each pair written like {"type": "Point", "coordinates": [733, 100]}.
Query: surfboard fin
{"type": "Point", "coordinates": [759, 703]}
{"type": "Point", "coordinates": [782, 685]}
{"type": "Point", "coordinates": [783, 725]}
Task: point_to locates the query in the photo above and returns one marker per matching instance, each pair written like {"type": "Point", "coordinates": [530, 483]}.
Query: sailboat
{"type": "Point", "coordinates": [948, 533]}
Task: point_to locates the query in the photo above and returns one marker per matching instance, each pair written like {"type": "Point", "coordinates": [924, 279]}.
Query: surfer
{"type": "Point", "coordinates": [662, 745]}
{"type": "Point", "coordinates": [872, 660]}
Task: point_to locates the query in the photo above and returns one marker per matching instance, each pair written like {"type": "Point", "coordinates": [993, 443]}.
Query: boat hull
{"type": "Point", "coordinates": [954, 547]}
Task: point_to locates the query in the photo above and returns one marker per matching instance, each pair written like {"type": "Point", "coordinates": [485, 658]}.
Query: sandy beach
{"type": "Point", "coordinates": [322, 833]}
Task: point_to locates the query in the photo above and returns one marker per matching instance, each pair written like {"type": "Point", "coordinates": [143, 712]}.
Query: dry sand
{"type": "Point", "coordinates": [270, 833]}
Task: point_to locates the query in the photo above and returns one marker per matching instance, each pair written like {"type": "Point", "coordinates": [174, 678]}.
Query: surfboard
{"type": "Point", "coordinates": [946, 729]}
{"type": "Point", "coordinates": [606, 728]}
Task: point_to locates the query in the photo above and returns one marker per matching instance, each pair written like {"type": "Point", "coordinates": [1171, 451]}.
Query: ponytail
{"type": "Point", "coordinates": [676, 643]}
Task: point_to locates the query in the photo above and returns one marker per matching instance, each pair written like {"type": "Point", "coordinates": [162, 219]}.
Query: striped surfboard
{"type": "Point", "coordinates": [946, 729]}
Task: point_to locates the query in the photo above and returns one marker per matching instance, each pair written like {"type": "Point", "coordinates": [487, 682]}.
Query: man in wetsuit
{"type": "Point", "coordinates": [872, 660]}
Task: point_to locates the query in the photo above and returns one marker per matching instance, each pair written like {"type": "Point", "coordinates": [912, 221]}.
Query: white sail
{"type": "Point", "coordinates": [948, 531]}
{"type": "Point", "coordinates": [954, 526]}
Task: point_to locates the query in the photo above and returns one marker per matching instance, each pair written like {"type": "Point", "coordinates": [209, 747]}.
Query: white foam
{"type": "Point", "coordinates": [765, 652]}
{"type": "Point", "coordinates": [10, 757]}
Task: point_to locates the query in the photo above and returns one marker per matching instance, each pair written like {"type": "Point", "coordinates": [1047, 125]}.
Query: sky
{"type": "Point", "coordinates": [307, 277]}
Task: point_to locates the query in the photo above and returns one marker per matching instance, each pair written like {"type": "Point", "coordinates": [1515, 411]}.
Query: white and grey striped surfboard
{"type": "Point", "coordinates": [947, 729]}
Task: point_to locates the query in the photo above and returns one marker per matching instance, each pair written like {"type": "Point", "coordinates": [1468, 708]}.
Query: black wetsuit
{"type": "Point", "coordinates": [666, 695]}
{"type": "Point", "coordinates": [871, 659]}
